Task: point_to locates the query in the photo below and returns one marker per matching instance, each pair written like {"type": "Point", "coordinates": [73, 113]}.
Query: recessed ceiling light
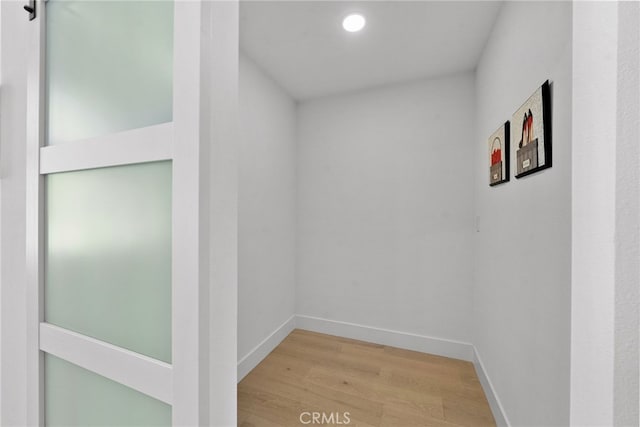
{"type": "Point", "coordinates": [354, 23]}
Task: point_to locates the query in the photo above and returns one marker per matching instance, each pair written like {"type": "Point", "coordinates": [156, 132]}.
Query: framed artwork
{"type": "Point", "coordinates": [499, 155]}
{"type": "Point", "coordinates": [531, 133]}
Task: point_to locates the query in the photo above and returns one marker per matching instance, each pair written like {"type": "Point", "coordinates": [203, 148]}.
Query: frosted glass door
{"type": "Point", "coordinates": [107, 217]}
{"type": "Point", "coordinates": [109, 67]}
{"type": "Point", "coordinates": [108, 255]}
{"type": "Point", "coordinates": [79, 398]}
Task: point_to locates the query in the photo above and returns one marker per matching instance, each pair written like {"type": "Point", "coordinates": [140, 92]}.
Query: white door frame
{"type": "Point", "coordinates": [201, 142]}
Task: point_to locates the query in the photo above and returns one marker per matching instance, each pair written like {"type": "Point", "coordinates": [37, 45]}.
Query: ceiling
{"type": "Point", "coordinates": [302, 45]}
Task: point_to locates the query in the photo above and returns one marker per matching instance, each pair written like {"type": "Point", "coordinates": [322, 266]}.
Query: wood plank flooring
{"type": "Point", "coordinates": [377, 385]}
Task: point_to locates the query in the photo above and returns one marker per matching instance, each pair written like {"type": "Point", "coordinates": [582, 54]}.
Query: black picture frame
{"type": "Point", "coordinates": [499, 147]}
{"type": "Point", "coordinates": [531, 153]}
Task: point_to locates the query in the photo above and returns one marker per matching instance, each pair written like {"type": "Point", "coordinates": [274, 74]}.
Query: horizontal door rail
{"type": "Point", "coordinates": [149, 144]}
{"type": "Point", "coordinates": [144, 374]}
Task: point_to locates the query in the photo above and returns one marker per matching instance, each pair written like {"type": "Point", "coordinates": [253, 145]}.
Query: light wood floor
{"type": "Point", "coordinates": [378, 385]}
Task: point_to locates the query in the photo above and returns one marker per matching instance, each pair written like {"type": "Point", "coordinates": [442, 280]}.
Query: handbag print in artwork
{"type": "Point", "coordinates": [533, 145]}
{"type": "Point", "coordinates": [499, 156]}
{"type": "Point", "coordinates": [527, 156]}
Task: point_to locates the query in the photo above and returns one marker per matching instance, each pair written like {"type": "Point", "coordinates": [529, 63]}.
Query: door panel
{"type": "Point", "coordinates": [107, 231]}
{"type": "Point", "coordinates": [108, 255]}
{"type": "Point", "coordinates": [109, 67]}
{"type": "Point", "coordinates": [118, 196]}
{"type": "Point", "coordinates": [77, 397]}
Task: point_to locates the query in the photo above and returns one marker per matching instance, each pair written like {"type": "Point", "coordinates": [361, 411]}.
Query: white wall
{"type": "Point", "coordinates": [385, 207]}
{"type": "Point", "coordinates": [14, 50]}
{"type": "Point", "coordinates": [522, 284]}
{"type": "Point", "coordinates": [626, 396]}
{"type": "Point", "coordinates": [220, 137]}
{"type": "Point", "coordinates": [266, 207]}
{"type": "Point", "coordinates": [606, 235]}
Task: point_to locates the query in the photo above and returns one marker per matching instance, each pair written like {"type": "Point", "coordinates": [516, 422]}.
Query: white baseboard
{"type": "Point", "coordinates": [408, 341]}
{"type": "Point", "coordinates": [262, 350]}
{"type": "Point", "coordinates": [494, 402]}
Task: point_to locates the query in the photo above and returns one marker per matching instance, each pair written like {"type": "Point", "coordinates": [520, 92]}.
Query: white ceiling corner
{"type": "Point", "coordinates": [302, 45]}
